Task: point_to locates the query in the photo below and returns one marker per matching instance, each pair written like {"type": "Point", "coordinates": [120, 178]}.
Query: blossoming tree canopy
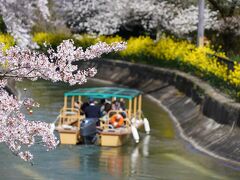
{"type": "Point", "coordinates": [20, 15]}
{"type": "Point", "coordinates": [15, 130]}
{"type": "Point", "coordinates": [108, 16]}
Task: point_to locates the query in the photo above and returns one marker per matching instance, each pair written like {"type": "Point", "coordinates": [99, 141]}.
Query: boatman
{"type": "Point", "coordinates": [93, 111]}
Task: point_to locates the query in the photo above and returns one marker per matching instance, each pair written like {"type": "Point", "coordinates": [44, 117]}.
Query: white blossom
{"type": "Point", "coordinates": [107, 16]}
{"type": "Point", "coordinates": [19, 17]}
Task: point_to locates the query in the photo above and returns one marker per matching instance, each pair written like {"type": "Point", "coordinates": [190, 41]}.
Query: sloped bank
{"type": "Point", "coordinates": [10, 88]}
{"type": "Point", "coordinates": [205, 118]}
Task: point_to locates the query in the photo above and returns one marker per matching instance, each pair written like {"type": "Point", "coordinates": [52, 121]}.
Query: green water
{"type": "Point", "coordinates": [162, 155]}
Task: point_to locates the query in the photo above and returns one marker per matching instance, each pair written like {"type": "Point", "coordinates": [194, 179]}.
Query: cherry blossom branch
{"type": "Point", "coordinates": [15, 130]}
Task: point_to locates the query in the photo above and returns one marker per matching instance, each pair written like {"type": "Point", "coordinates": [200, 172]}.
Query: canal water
{"type": "Point", "coordinates": [161, 155]}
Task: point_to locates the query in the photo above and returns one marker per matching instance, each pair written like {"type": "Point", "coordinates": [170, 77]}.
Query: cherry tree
{"type": "Point", "coordinates": [20, 15]}
{"type": "Point", "coordinates": [75, 13]}
{"type": "Point", "coordinates": [108, 16]}
{"type": "Point", "coordinates": [18, 133]}
{"type": "Point", "coordinates": [102, 16]}
{"type": "Point", "coordinates": [229, 16]}
{"type": "Point", "coordinates": [185, 20]}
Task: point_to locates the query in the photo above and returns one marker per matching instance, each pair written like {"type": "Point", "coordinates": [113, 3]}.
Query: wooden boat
{"type": "Point", "coordinates": [71, 121]}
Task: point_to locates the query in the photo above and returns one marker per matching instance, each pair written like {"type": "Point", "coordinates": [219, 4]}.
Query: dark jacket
{"type": "Point", "coordinates": [92, 111]}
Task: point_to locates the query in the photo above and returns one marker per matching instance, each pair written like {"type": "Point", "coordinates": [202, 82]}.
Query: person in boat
{"type": "Point", "coordinates": [102, 106]}
{"type": "Point", "coordinates": [93, 111]}
{"type": "Point", "coordinates": [115, 104]}
{"type": "Point", "coordinates": [77, 105]}
{"type": "Point", "coordinates": [123, 108]}
{"type": "Point", "coordinates": [119, 106]}
{"type": "Point", "coordinates": [107, 106]}
{"type": "Point", "coordinates": [122, 104]}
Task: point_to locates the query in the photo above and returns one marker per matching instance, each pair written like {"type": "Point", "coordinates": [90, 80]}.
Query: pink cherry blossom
{"type": "Point", "coordinates": [61, 65]}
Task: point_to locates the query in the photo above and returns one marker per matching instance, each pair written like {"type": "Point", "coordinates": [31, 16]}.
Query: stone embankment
{"type": "Point", "coordinates": [11, 87]}
{"type": "Point", "coordinates": [205, 118]}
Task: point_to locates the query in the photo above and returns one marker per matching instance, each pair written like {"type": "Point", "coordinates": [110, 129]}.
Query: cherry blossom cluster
{"type": "Point", "coordinates": [108, 16]}
{"type": "Point", "coordinates": [229, 24]}
{"type": "Point", "coordinates": [17, 132]}
{"type": "Point", "coordinates": [186, 20]}
{"type": "Point", "coordinates": [20, 15]}
{"type": "Point", "coordinates": [58, 65]}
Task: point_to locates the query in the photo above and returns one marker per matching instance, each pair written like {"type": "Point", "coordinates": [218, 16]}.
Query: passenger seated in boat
{"type": "Point", "coordinates": [119, 106]}
{"type": "Point", "coordinates": [115, 104]}
{"type": "Point", "coordinates": [107, 107]}
{"type": "Point", "coordinates": [123, 108]}
{"type": "Point", "coordinates": [93, 111]}
{"type": "Point", "coordinates": [77, 105]}
{"type": "Point", "coordinates": [102, 106]}
{"type": "Point", "coordinates": [117, 121]}
{"type": "Point", "coordinates": [122, 104]}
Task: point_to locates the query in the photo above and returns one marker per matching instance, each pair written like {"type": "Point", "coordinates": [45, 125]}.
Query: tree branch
{"type": "Point", "coordinates": [216, 6]}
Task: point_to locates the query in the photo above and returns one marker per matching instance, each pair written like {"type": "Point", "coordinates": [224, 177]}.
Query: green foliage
{"type": "Point", "coordinates": [235, 58]}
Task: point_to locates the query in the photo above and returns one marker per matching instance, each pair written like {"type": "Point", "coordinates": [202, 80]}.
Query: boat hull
{"type": "Point", "coordinates": [69, 136]}
{"type": "Point", "coordinates": [114, 138]}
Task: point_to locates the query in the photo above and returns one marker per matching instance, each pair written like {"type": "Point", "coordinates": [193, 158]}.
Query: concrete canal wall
{"type": "Point", "coordinates": [11, 87]}
{"type": "Point", "coordinates": [204, 117]}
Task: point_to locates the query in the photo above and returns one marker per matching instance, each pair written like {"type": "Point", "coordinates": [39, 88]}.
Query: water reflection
{"type": "Point", "coordinates": [146, 142]}
{"type": "Point", "coordinates": [113, 161]}
{"type": "Point", "coordinates": [136, 155]}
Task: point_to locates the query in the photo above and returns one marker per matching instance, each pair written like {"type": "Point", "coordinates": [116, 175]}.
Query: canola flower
{"type": "Point", "coordinates": [176, 53]}
{"type": "Point", "coordinates": [7, 40]}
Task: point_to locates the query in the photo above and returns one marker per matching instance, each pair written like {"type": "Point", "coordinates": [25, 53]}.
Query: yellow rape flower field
{"type": "Point", "coordinates": [7, 40]}
{"type": "Point", "coordinates": [202, 59]}
{"type": "Point", "coordinates": [168, 51]}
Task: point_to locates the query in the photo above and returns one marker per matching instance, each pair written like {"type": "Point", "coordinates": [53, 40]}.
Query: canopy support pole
{"type": "Point", "coordinates": [135, 107]}
{"type": "Point", "coordinates": [65, 102]}
{"type": "Point", "coordinates": [140, 106]}
{"type": "Point", "coordinates": [129, 108]}
{"type": "Point", "coordinates": [72, 104]}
